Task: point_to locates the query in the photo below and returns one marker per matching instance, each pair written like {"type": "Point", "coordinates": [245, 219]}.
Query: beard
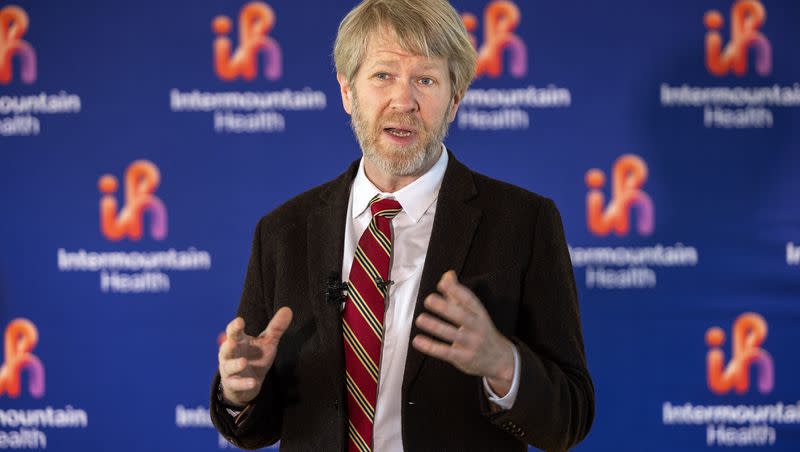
{"type": "Point", "coordinates": [395, 159]}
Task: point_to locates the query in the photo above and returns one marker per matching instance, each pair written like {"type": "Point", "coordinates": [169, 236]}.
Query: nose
{"type": "Point", "coordinates": [404, 97]}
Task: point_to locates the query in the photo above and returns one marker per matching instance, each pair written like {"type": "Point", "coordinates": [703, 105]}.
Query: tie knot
{"type": "Point", "coordinates": [386, 207]}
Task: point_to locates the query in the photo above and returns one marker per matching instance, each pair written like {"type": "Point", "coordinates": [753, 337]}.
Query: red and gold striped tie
{"type": "Point", "coordinates": [362, 321]}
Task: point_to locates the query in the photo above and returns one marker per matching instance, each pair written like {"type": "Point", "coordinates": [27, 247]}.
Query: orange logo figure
{"type": "Point", "coordinates": [749, 332]}
{"type": "Point", "coordinates": [500, 20]}
{"type": "Point", "coordinates": [628, 178]}
{"type": "Point", "coordinates": [20, 340]}
{"type": "Point", "coordinates": [141, 181]}
{"type": "Point", "coordinates": [747, 17]}
{"type": "Point", "coordinates": [13, 25]}
{"type": "Point", "coordinates": [255, 22]}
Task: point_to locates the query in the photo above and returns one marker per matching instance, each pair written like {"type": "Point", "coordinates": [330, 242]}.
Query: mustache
{"type": "Point", "coordinates": [402, 119]}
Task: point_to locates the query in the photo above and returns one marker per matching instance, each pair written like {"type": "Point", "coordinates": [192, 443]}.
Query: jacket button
{"type": "Point", "coordinates": [410, 403]}
{"type": "Point", "coordinates": [336, 404]}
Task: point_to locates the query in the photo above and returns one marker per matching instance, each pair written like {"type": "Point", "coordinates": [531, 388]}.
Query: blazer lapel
{"type": "Point", "coordinates": [453, 228]}
{"type": "Point", "coordinates": [326, 227]}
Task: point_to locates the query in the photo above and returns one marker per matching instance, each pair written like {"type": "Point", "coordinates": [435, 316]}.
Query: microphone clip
{"type": "Point", "coordinates": [335, 289]}
{"type": "Point", "coordinates": [384, 284]}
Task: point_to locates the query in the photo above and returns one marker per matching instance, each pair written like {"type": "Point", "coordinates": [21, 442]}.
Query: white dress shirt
{"type": "Point", "coordinates": [411, 232]}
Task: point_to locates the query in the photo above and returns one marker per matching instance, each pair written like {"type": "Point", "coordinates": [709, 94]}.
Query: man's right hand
{"type": "Point", "coordinates": [245, 360]}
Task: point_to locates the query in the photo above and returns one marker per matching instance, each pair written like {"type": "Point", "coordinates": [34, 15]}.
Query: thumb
{"type": "Point", "coordinates": [278, 325]}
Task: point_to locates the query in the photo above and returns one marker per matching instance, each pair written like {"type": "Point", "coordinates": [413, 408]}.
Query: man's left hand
{"type": "Point", "coordinates": [471, 342]}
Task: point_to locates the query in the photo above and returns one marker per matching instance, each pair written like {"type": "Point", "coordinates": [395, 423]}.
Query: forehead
{"type": "Point", "coordinates": [384, 49]}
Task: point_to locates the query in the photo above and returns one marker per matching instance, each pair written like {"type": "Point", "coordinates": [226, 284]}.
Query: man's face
{"type": "Point", "coordinates": [401, 106]}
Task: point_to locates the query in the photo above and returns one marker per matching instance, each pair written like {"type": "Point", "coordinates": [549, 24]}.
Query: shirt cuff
{"type": "Point", "coordinates": [507, 401]}
{"type": "Point", "coordinates": [238, 414]}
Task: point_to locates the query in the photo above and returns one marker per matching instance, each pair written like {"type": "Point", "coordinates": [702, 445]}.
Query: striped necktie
{"type": "Point", "coordinates": [362, 321]}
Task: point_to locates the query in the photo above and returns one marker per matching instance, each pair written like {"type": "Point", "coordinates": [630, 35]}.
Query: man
{"type": "Point", "coordinates": [460, 327]}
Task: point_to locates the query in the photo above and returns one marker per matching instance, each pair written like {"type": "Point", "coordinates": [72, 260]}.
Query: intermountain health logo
{"type": "Point", "coordinates": [502, 52]}
{"type": "Point", "coordinates": [20, 339]}
{"type": "Point", "coordinates": [21, 428]}
{"type": "Point", "coordinates": [749, 332]}
{"type": "Point", "coordinates": [127, 270]}
{"type": "Point", "coordinates": [141, 181]}
{"type": "Point", "coordinates": [628, 177]}
{"type": "Point", "coordinates": [501, 18]}
{"type": "Point", "coordinates": [19, 113]}
{"type": "Point", "coordinates": [257, 51]}
{"type": "Point", "coordinates": [617, 265]}
{"type": "Point", "coordinates": [747, 46]}
{"type": "Point", "coordinates": [13, 26]}
{"type": "Point", "coordinates": [746, 19]}
{"type": "Point", "coordinates": [255, 22]}
{"type": "Point", "coordinates": [734, 424]}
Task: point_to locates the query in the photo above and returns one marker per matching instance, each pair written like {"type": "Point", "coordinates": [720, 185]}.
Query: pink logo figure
{"type": "Point", "coordinates": [628, 177]}
{"type": "Point", "coordinates": [747, 17]}
{"type": "Point", "coordinates": [255, 22]}
{"type": "Point", "coordinates": [141, 181]}
{"type": "Point", "coordinates": [20, 340]}
{"type": "Point", "coordinates": [500, 19]}
{"type": "Point", "coordinates": [749, 332]}
{"type": "Point", "coordinates": [13, 25]}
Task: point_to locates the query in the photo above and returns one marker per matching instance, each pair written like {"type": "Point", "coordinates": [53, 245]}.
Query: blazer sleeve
{"type": "Point", "coordinates": [261, 426]}
{"type": "Point", "coordinates": [554, 408]}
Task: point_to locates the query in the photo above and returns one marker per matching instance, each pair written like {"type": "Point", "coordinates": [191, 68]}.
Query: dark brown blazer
{"type": "Point", "coordinates": [505, 243]}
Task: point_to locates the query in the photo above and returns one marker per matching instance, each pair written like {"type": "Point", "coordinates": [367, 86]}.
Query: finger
{"type": "Point", "coordinates": [440, 350]}
{"type": "Point", "coordinates": [278, 325]}
{"type": "Point", "coordinates": [431, 347]}
{"type": "Point", "coordinates": [233, 366]}
{"type": "Point", "coordinates": [436, 327]}
{"type": "Point", "coordinates": [236, 383]}
{"type": "Point", "coordinates": [229, 349]}
{"type": "Point", "coordinates": [454, 290]}
{"type": "Point", "coordinates": [235, 329]}
{"type": "Point", "coordinates": [448, 310]}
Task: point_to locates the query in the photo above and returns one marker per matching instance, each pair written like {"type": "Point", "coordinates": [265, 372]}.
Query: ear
{"type": "Point", "coordinates": [347, 93]}
{"type": "Point", "coordinates": [454, 109]}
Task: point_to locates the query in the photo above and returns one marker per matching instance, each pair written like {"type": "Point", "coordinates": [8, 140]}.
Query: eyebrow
{"type": "Point", "coordinates": [392, 63]}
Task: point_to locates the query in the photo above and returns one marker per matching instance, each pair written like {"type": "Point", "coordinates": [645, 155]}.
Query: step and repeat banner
{"type": "Point", "coordinates": [140, 142]}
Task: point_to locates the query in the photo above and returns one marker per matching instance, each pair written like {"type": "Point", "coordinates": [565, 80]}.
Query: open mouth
{"type": "Point", "coordinates": [400, 133]}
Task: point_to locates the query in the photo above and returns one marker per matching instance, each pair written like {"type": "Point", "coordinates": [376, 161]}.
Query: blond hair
{"type": "Point", "coordinates": [421, 27]}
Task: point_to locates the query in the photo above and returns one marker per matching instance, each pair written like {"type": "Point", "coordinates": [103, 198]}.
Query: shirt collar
{"type": "Point", "coordinates": [416, 197]}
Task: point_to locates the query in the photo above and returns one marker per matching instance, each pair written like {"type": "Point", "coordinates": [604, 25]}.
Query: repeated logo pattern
{"type": "Point", "coordinates": [747, 17]}
{"type": "Point", "coordinates": [628, 178]}
{"type": "Point", "coordinates": [13, 26]}
{"type": "Point", "coordinates": [256, 20]}
{"type": "Point", "coordinates": [141, 181]}
{"type": "Point", "coordinates": [749, 332]}
{"type": "Point", "coordinates": [20, 339]}
{"type": "Point", "coordinates": [500, 19]}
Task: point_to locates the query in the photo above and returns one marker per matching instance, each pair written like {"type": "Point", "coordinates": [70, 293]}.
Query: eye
{"type": "Point", "coordinates": [382, 76]}
{"type": "Point", "coordinates": [427, 81]}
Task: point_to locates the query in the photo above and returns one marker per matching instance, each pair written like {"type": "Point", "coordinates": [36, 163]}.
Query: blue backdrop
{"type": "Point", "coordinates": [141, 141]}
